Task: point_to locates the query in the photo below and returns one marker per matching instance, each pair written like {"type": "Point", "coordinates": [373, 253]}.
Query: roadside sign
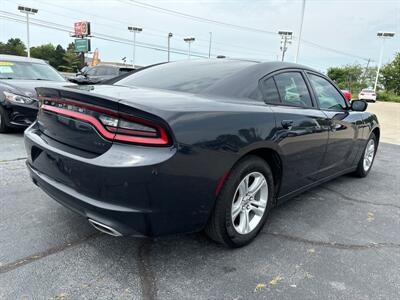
{"type": "Point", "coordinates": [82, 28]}
{"type": "Point", "coordinates": [82, 45]}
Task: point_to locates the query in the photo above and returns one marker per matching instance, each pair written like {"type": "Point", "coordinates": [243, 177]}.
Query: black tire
{"type": "Point", "coordinates": [3, 119]}
{"type": "Point", "coordinates": [361, 172]}
{"type": "Point", "coordinates": [220, 227]}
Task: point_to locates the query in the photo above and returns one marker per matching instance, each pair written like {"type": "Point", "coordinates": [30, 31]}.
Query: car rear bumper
{"type": "Point", "coordinates": [140, 191]}
{"type": "Point", "coordinates": [367, 97]}
{"type": "Point", "coordinates": [125, 220]}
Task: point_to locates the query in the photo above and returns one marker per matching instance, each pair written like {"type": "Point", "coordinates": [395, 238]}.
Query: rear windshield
{"type": "Point", "coordinates": [28, 71]}
{"type": "Point", "coordinates": [367, 91]}
{"type": "Point", "coordinates": [191, 77]}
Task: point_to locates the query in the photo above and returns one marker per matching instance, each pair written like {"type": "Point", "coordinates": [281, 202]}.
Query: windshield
{"type": "Point", "coordinates": [367, 91]}
{"type": "Point", "coordinates": [192, 77]}
{"type": "Point", "coordinates": [28, 71]}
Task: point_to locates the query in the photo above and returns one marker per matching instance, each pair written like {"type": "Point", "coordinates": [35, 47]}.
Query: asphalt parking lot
{"type": "Point", "coordinates": [338, 241]}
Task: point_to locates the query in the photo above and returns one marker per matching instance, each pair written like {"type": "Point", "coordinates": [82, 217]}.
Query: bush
{"type": "Point", "coordinates": [388, 96]}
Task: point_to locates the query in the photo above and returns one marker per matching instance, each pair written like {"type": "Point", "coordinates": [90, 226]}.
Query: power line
{"type": "Point", "coordinates": [59, 27]}
{"type": "Point", "coordinates": [227, 47]}
{"type": "Point", "coordinates": [161, 32]}
{"type": "Point", "coordinates": [192, 17]}
{"type": "Point", "coordinates": [238, 27]}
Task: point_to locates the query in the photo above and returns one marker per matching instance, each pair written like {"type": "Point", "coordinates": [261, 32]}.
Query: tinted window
{"type": "Point", "coordinates": [327, 95]}
{"type": "Point", "coordinates": [190, 77]}
{"type": "Point", "coordinates": [269, 89]}
{"type": "Point", "coordinates": [293, 89]}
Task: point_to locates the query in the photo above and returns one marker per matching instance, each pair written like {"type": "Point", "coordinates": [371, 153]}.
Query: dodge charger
{"type": "Point", "coordinates": [188, 146]}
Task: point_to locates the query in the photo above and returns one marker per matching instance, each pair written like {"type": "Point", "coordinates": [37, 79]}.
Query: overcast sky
{"type": "Point", "coordinates": [347, 26]}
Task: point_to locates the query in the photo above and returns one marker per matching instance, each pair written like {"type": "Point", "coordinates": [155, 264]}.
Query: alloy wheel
{"type": "Point", "coordinates": [249, 202]}
{"type": "Point", "coordinates": [369, 155]}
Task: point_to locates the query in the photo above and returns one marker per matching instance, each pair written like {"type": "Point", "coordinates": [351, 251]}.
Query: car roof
{"type": "Point", "coordinates": [256, 66]}
{"type": "Point", "coordinates": [21, 58]}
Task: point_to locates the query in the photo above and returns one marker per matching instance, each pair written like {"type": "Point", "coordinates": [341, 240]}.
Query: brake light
{"type": "Point", "coordinates": [362, 94]}
{"type": "Point", "coordinates": [110, 124]}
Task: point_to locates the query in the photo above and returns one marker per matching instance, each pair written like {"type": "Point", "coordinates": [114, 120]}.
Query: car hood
{"type": "Point", "coordinates": [27, 87]}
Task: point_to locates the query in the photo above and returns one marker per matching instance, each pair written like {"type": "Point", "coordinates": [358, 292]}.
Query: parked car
{"type": "Point", "coordinates": [99, 74]}
{"type": "Point", "coordinates": [367, 95]}
{"type": "Point", "coordinates": [19, 76]}
{"type": "Point", "coordinates": [186, 146]}
{"type": "Point", "coordinates": [347, 95]}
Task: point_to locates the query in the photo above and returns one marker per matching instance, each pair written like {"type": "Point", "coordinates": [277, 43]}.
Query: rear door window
{"type": "Point", "coordinates": [293, 89]}
{"type": "Point", "coordinates": [270, 91]}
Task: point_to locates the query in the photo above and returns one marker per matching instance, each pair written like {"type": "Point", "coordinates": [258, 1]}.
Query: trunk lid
{"type": "Point", "coordinates": [68, 129]}
{"type": "Point", "coordinates": [90, 121]}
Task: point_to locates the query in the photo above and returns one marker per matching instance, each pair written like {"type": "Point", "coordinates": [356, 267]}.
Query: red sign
{"type": "Point", "coordinates": [82, 28]}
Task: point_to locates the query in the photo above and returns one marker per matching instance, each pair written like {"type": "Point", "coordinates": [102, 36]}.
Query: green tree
{"type": "Point", "coordinates": [13, 47]}
{"type": "Point", "coordinates": [72, 62]}
{"type": "Point", "coordinates": [348, 77]}
{"type": "Point", "coordinates": [391, 75]}
{"type": "Point", "coordinates": [49, 53]}
{"type": "Point", "coordinates": [59, 54]}
{"type": "Point", "coordinates": [45, 52]}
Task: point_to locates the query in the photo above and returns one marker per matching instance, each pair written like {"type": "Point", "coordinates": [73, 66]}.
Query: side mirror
{"type": "Point", "coordinates": [359, 105]}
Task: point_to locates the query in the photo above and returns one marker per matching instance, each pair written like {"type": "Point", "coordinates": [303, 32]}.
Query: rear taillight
{"type": "Point", "coordinates": [373, 94]}
{"type": "Point", "coordinates": [110, 124]}
{"type": "Point", "coordinates": [362, 94]}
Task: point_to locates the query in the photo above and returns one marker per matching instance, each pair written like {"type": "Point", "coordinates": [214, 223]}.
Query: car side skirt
{"type": "Point", "coordinates": [303, 189]}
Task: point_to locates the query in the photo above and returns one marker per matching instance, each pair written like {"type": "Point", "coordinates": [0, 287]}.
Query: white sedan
{"type": "Point", "coordinates": [368, 95]}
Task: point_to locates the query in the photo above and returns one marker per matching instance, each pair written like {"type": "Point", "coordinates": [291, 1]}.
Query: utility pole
{"type": "Point", "coordinates": [303, 8]}
{"type": "Point", "coordinates": [286, 39]}
{"type": "Point", "coordinates": [382, 35]}
{"type": "Point", "coordinates": [365, 72]}
{"type": "Point", "coordinates": [28, 11]}
{"type": "Point", "coordinates": [170, 35]}
{"type": "Point", "coordinates": [134, 30]}
{"type": "Point", "coordinates": [209, 46]}
{"type": "Point", "coordinates": [189, 40]}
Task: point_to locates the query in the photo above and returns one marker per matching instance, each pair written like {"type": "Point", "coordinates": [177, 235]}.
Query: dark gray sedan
{"type": "Point", "coordinates": [186, 146]}
{"type": "Point", "coordinates": [19, 76]}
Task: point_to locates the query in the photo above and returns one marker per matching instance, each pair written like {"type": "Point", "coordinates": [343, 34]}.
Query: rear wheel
{"type": "Point", "coordinates": [3, 125]}
{"type": "Point", "coordinates": [243, 204]}
{"type": "Point", "coordinates": [367, 159]}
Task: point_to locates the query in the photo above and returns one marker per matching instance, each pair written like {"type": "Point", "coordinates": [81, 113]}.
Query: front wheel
{"type": "Point", "coordinates": [243, 203]}
{"type": "Point", "coordinates": [367, 159]}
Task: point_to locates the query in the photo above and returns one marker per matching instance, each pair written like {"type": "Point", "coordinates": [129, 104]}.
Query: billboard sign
{"type": "Point", "coordinates": [82, 45]}
{"type": "Point", "coordinates": [82, 28]}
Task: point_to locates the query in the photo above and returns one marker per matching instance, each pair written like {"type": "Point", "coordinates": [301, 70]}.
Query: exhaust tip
{"type": "Point", "coordinates": [104, 228]}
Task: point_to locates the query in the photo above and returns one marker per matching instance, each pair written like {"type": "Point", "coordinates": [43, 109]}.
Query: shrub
{"type": "Point", "coordinates": [388, 96]}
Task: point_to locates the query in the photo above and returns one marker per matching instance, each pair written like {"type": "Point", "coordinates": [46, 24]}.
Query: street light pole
{"type": "Point", "coordinates": [170, 35]}
{"type": "Point", "coordinates": [28, 11]}
{"type": "Point", "coordinates": [383, 36]}
{"type": "Point", "coordinates": [134, 30]}
{"type": "Point", "coordinates": [189, 40]}
{"type": "Point", "coordinates": [300, 30]}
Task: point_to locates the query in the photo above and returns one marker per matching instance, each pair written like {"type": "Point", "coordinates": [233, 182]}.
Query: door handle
{"type": "Point", "coordinates": [287, 124]}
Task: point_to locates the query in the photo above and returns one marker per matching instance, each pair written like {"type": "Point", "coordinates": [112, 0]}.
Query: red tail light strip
{"type": "Point", "coordinates": [80, 104]}
{"type": "Point", "coordinates": [162, 140]}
